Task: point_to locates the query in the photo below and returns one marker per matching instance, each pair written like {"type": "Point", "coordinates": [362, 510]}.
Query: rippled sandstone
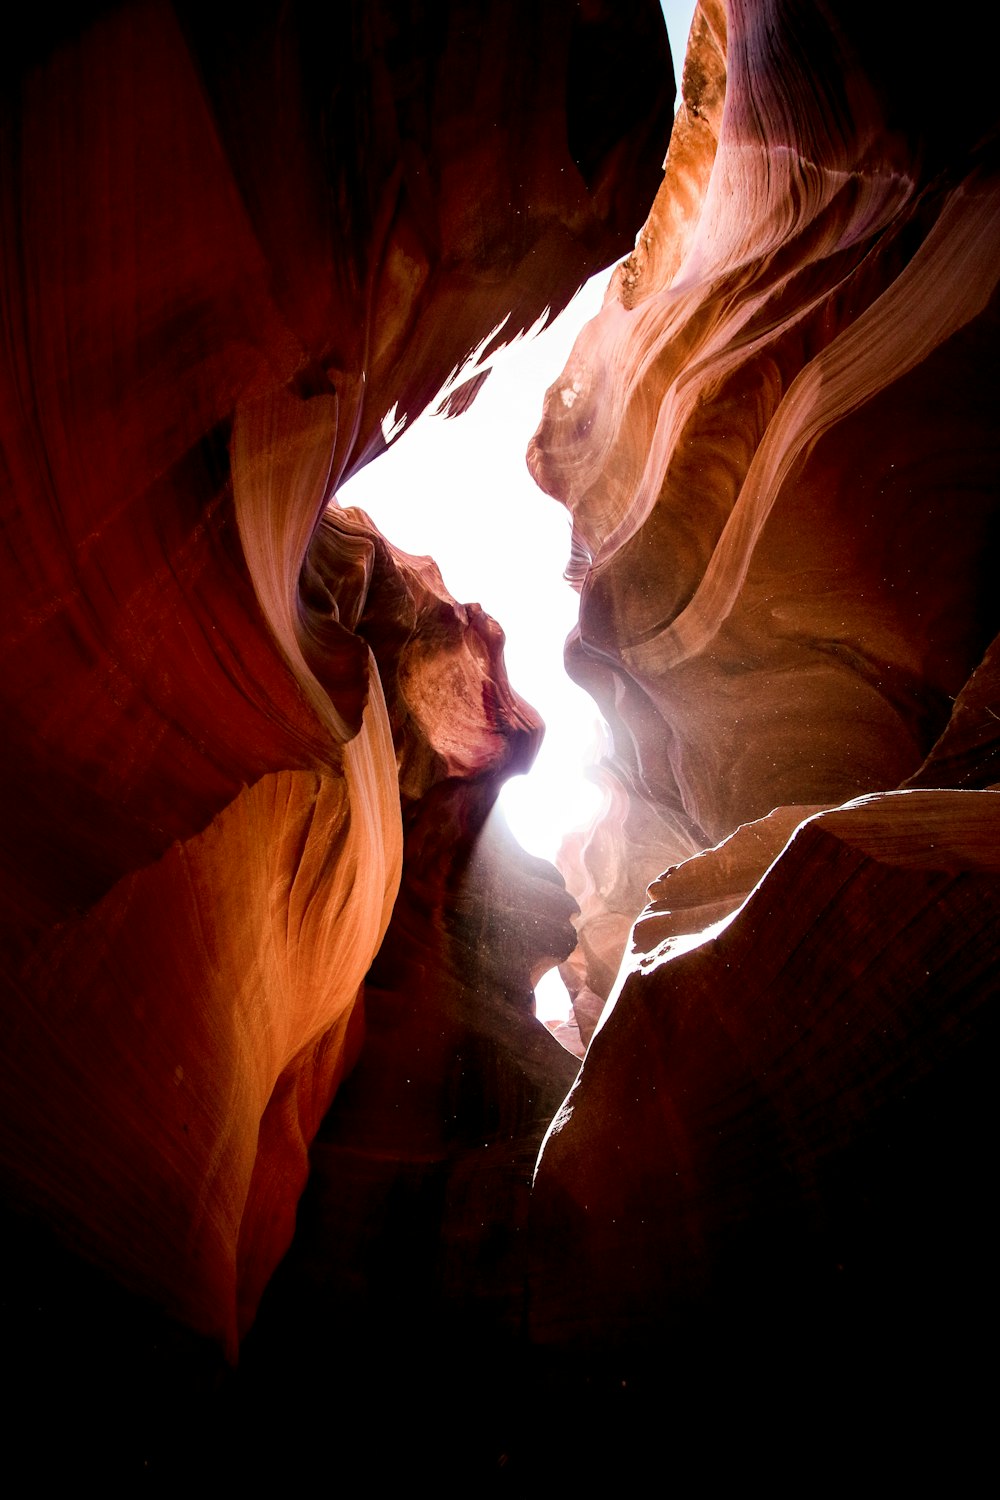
{"type": "Point", "coordinates": [251, 748]}
{"type": "Point", "coordinates": [778, 445]}
{"type": "Point", "coordinates": [241, 248]}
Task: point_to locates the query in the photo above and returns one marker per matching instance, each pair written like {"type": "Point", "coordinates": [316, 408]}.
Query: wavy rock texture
{"type": "Point", "coordinates": [405, 1282]}
{"type": "Point", "coordinates": [249, 745]}
{"type": "Point", "coordinates": [241, 246]}
{"type": "Point", "coordinates": [778, 444]}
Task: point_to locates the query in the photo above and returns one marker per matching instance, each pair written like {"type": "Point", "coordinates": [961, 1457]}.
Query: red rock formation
{"type": "Point", "coordinates": [410, 1253]}
{"type": "Point", "coordinates": [242, 245]}
{"type": "Point", "coordinates": [236, 245]}
{"type": "Point", "coordinates": [777, 445]}
{"type": "Point", "coordinates": [405, 1281]}
{"type": "Point", "coordinates": [774, 1041]}
{"type": "Point", "coordinates": [761, 1206]}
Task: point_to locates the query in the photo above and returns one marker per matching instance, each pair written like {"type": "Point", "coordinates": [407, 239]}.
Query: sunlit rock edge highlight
{"type": "Point", "coordinates": [778, 445]}
{"type": "Point", "coordinates": [239, 247]}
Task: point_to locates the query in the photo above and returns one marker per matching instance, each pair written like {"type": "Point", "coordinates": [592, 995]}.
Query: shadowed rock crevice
{"type": "Point", "coordinates": [251, 749]}
{"type": "Point", "coordinates": [781, 464]}
{"type": "Point", "coordinates": [241, 247]}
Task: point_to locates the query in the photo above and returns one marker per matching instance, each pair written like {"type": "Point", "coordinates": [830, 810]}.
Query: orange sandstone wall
{"type": "Point", "coordinates": [235, 240]}
{"type": "Point", "coordinates": [777, 442]}
{"type": "Point", "coordinates": [761, 1206]}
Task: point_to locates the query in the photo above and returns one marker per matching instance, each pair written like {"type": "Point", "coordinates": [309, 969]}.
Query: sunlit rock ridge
{"type": "Point", "coordinates": [778, 443]}
{"type": "Point", "coordinates": [251, 748]}
{"type": "Point", "coordinates": [240, 243]}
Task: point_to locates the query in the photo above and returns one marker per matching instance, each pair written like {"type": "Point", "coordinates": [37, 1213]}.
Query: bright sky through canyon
{"type": "Point", "coordinates": [459, 491]}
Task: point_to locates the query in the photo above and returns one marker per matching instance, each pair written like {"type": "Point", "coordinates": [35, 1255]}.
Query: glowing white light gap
{"type": "Point", "coordinates": [461, 493]}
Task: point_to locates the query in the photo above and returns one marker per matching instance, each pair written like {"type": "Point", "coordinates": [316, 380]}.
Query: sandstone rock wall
{"type": "Point", "coordinates": [249, 745]}
{"type": "Point", "coordinates": [239, 245]}
{"type": "Point", "coordinates": [778, 444]}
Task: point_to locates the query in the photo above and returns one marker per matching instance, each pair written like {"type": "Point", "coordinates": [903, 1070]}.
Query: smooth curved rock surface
{"type": "Point", "coordinates": [411, 1253]}
{"type": "Point", "coordinates": [768, 1160]}
{"type": "Point", "coordinates": [777, 442]}
{"type": "Point", "coordinates": [760, 1228]}
{"type": "Point", "coordinates": [241, 247]}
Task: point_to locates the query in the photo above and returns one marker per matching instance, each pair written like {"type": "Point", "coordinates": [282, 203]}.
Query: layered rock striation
{"type": "Point", "coordinates": [778, 445]}
{"type": "Point", "coordinates": [241, 248]}
{"type": "Point", "coordinates": [251, 748]}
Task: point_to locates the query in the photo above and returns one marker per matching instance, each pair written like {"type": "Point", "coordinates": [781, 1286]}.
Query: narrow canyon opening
{"type": "Point", "coordinates": [273, 1093]}
{"type": "Point", "coordinates": [457, 489]}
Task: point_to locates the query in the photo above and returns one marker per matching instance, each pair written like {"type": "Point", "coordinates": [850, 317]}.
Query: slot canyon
{"type": "Point", "coordinates": [296, 1188]}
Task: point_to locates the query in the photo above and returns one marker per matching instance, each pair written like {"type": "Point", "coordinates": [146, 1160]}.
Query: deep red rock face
{"type": "Point", "coordinates": [250, 747]}
{"type": "Point", "coordinates": [776, 1041]}
{"type": "Point", "coordinates": [235, 242]}
{"type": "Point", "coordinates": [778, 443]}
